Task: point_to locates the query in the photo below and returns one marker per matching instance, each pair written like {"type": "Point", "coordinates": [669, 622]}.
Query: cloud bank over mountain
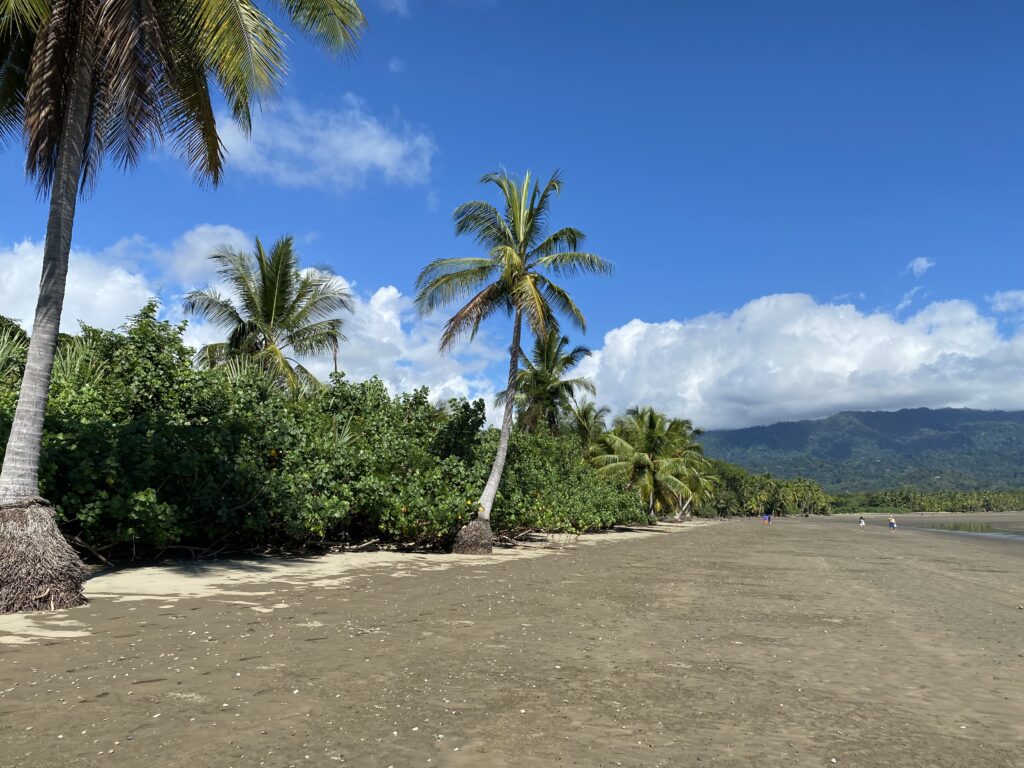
{"type": "Point", "coordinates": [787, 356]}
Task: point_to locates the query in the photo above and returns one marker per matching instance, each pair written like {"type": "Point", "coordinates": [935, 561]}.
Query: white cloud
{"type": "Point", "coordinates": [1007, 302]}
{"type": "Point", "coordinates": [920, 265]}
{"type": "Point", "coordinates": [908, 299]}
{"type": "Point", "coordinates": [188, 259]}
{"type": "Point", "coordinates": [788, 357]}
{"type": "Point", "coordinates": [296, 146]}
{"type": "Point", "coordinates": [396, 66]}
{"type": "Point", "coordinates": [100, 292]}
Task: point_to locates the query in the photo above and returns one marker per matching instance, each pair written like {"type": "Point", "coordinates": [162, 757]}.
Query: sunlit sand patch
{"type": "Point", "coordinates": [21, 629]}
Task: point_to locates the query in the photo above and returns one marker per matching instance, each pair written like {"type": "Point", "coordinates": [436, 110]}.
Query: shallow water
{"type": "Point", "coordinates": [991, 525]}
{"type": "Point", "coordinates": [979, 529]}
{"type": "Point", "coordinates": [977, 526]}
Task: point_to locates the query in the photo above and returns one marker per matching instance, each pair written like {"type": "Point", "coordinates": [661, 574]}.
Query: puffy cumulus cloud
{"type": "Point", "coordinates": [1007, 302]}
{"type": "Point", "coordinates": [295, 146]}
{"type": "Point", "coordinates": [100, 291]}
{"type": "Point", "coordinates": [187, 260]}
{"type": "Point", "coordinates": [788, 357]}
{"type": "Point", "coordinates": [920, 265]}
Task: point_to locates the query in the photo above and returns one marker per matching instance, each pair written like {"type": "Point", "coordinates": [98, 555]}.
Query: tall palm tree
{"type": "Point", "coordinates": [655, 455]}
{"type": "Point", "coordinates": [81, 80]}
{"type": "Point", "coordinates": [589, 421]}
{"type": "Point", "coordinates": [512, 279]}
{"type": "Point", "coordinates": [544, 388]}
{"type": "Point", "coordinates": [281, 311]}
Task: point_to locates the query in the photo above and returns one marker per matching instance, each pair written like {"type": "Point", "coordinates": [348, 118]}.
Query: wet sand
{"type": "Point", "coordinates": [732, 644]}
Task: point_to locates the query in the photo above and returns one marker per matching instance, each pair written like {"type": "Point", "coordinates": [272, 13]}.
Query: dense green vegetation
{"type": "Point", "coordinates": [144, 450]}
{"type": "Point", "coordinates": [931, 450]}
{"type": "Point", "coordinates": [737, 492]}
{"type": "Point", "coordinates": [914, 500]}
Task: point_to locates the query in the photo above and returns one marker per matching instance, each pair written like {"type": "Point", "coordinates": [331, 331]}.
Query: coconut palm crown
{"type": "Point", "coordinates": [545, 389]}
{"type": "Point", "coordinates": [276, 311]}
{"type": "Point", "coordinates": [588, 421]}
{"type": "Point", "coordinates": [515, 278]}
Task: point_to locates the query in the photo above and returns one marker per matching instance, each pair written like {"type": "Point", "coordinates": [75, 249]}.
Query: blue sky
{"type": "Point", "coordinates": [762, 174]}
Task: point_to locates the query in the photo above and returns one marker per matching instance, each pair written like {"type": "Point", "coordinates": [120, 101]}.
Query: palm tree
{"type": "Point", "coordinates": [655, 455]}
{"type": "Point", "coordinates": [81, 80]}
{"type": "Point", "coordinates": [281, 310]}
{"type": "Point", "coordinates": [512, 279]}
{"type": "Point", "coordinates": [589, 422]}
{"type": "Point", "coordinates": [543, 388]}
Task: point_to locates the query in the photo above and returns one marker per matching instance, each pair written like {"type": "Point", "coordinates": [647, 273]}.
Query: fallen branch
{"type": "Point", "coordinates": [91, 550]}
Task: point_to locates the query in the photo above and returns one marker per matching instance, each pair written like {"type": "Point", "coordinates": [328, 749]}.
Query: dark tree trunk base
{"type": "Point", "coordinates": [475, 538]}
{"type": "Point", "coordinates": [39, 571]}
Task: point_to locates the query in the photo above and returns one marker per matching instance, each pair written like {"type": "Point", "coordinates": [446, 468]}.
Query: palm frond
{"type": "Point", "coordinates": [531, 302]}
{"type": "Point", "coordinates": [574, 263]}
{"type": "Point", "coordinates": [317, 338]}
{"type": "Point", "coordinates": [16, 42]}
{"type": "Point", "coordinates": [444, 281]}
{"type": "Point", "coordinates": [483, 222]}
{"type": "Point", "coordinates": [242, 48]}
{"type": "Point", "coordinates": [559, 299]}
{"type": "Point", "coordinates": [468, 319]}
{"type": "Point", "coordinates": [189, 119]}
{"type": "Point", "coordinates": [22, 14]}
{"type": "Point", "coordinates": [565, 239]}
{"type": "Point", "coordinates": [334, 24]}
{"type": "Point", "coordinates": [214, 307]}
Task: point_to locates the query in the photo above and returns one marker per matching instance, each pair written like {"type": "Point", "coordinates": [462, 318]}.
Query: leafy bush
{"type": "Point", "coordinates": [142, 451]}
{"type": "Point", "coordinates": [549, 485]}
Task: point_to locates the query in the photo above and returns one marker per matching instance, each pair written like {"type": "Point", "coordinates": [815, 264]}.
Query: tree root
{"type": "Point", "coordinates": [39, 570]}
{"type": "Point", "coordinates": [475, 538]}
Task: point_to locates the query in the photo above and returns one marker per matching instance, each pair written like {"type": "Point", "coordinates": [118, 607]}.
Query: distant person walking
{"type": "Point", "coordinates": [892, 523]}
{"type": "Point", "coordinates": [862, 522]}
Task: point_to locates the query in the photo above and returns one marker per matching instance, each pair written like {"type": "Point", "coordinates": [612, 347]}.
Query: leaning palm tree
{"type": "Point", "coordinates": [512, 279]}
{"type": "Point", "coordinates": [544, 388]}
{"type": "Point", "coordinates": [276, 311]}
{"type": "Point", "coordinates": [81, 80]}
{"type": "Point", "coordinates": [655, 455]}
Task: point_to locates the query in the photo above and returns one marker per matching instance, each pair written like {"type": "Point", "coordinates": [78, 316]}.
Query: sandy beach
{"type": "Point", "coordinates": [807, 643]}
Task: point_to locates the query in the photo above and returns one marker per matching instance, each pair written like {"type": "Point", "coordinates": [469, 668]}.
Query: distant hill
{"type": "Point", "coordinates": [948, 448]}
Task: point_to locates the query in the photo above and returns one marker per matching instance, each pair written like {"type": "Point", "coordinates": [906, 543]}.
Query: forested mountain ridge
{"type": "Point", "coordinates": [931, 449]}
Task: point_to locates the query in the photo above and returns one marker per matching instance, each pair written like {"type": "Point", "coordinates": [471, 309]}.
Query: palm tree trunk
{"type": "Point", "coordinates": [476, 538]}
{"type": "Point", "coordinates": [38, 569]}
{"type": "Point", "coordinates": [491, 488]}
{"type": "Point", "coordinates": [19, 478]}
